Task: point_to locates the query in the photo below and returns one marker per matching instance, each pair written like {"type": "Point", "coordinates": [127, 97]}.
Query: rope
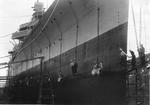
{"type": "Point", "coordinates": [4, 36]}
{"type": "Point", "coordinates": [140, 27]}
{"type": "Point", "coordinates": [49, 45]}
{"type": "Point", "coordinates": [4, 67]}
{"type": "Point", "coordinates": [77, 29]}
{"type": "Point", "coordinates": [60, 51]}
{"type": "Point", "coordinates": [76, 50]}
{"type": "Point", "coordinates": [31, 57]}
{"type": "Point", "coordinates": [52, 90]}
{"type": "Point", "coordinates": [60, 54]}
{"type": "Point", "coordinates": [145, 34]}
{"type": "Point", "coordinates": [60, 40]}
{"type": "Point", "coordinates": [134, 26]}
{"type": "Point", "coordinates": [4, 63]}
{"type": "Point", "coordinates": [98, 15]}
{"type": "Point", "coordinates": [5, 56]}
{"type": "Point", "coordinates": [41, 82]}
{"type": "Point", "coordinates": [7, 17]}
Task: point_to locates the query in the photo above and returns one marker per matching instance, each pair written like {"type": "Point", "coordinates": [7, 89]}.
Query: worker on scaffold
{"type": "Point", "coordinates": [74, 66]}
{"type": "Point", "coordinates": [97, 68]}
{"type": "Point", "coordinates": [133, 58]}
{"type": "Point", "coordinates": [141, 51]}
{"type": "Point", "coordinates": [122, 57]}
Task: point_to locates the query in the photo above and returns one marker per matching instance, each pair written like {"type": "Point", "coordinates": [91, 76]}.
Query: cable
{"type": "Point", "coordinates": [77, 29]}
{"type": "Point", "coordinates": [5, 35]}
{"type": "Point", "coordinates": [15, 16]}
{"type": "Point", "coordinates": [140, 27]}
{"type": "Point", "coordinates": [40, 31]}
{"type": "Point", "coordinates": [4, 67]}
{"type": "Point", "coordinates": [5, 56]}
{"type": "Point", "coordinates": [134, 26]}
{"type": "Point", "coordinates": [98, 25]}
{"type": "Point", "coordinates": [4, 63]}
{"type": "Point", "coordinates": [145, 32]}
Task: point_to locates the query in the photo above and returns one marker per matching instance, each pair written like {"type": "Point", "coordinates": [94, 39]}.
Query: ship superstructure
{"type": "Point", "coordinates": [81, 33]}
{"type": "Point", "coordinates": [26, 28]}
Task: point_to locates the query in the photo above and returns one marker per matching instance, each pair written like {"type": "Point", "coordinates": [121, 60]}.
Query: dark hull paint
{"type": "Point", "coordinates": [83, 88]}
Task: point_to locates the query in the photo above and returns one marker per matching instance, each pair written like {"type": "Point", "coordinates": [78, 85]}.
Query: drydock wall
{"type": "Point", "coordinates": [67, 15]}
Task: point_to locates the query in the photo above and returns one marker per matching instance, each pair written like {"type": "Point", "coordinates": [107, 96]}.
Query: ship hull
{"type": "Point", "coordinates": [108, 88]}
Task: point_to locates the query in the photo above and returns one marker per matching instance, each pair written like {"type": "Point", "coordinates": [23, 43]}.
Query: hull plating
{"type": "Point", "coordinates": [83, 88]}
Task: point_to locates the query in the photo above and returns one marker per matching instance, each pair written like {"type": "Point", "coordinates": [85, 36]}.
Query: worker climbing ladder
{"type": "Point", "coordinates": [137, 79]}
{"type": "Point", "coordinates": [138, 85]}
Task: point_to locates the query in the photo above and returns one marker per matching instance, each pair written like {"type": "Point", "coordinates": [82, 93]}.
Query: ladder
{"type": "Point", "coordinates": [137, 82]}
{"type": "Point", "coordinates": [47, 93]}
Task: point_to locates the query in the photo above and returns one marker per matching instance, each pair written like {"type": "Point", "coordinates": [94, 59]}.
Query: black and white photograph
{"type": "Point", "coordinates": [75, 52]}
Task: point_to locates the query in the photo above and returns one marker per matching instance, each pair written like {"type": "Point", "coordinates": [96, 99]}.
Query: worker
{"type": "Point", "coordinates": [27, 81]}
{"type": "Point", "coordinates": [74, 66]}
{"type": "Point", "coordinates": [123, 56]}
{"type": "Point", "coordinates": [97, 68]}
{"type": "Point", "coordinates": [60, 77]}
{"type": "Point", "coordinates": [141, 51]}
{"type": "Point", "coordinates": [133, 60]}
